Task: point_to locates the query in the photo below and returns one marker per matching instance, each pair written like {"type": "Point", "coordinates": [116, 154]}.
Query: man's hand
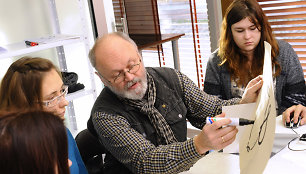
{"type": "Point", "coordinates": [213, 136]}
{"type": "Point", "coordinates": [252, 90]}
{"type": "Point", "coordinates": [299, 110]}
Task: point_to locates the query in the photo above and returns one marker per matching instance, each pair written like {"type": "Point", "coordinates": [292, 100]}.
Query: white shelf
{"type": "Point", "coordinates": [21, 48]}
{"type": "Point", "coordinates": [78, 94]}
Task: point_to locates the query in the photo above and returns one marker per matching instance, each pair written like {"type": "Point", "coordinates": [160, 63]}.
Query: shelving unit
{"type": "Point", "coordinates": [20, 48]}
{"type": "Point", "coordinates": [59, 41]}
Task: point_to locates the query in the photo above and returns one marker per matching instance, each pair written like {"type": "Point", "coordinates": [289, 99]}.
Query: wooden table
{"type": "Point", "coordinates": [144, 41]}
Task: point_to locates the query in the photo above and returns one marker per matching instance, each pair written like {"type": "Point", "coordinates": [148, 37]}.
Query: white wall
{"type": "Point", "coordinates": [20, 20]}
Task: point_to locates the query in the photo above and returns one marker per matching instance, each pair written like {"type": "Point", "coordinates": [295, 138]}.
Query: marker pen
{"type": "Point", "coordinates": [235, 121]}
{"type": "Point", "coordinates": [30, 43]}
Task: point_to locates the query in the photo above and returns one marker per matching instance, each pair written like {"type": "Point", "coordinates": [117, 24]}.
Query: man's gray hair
{"type": "Point", "coordinates": [92, 52]}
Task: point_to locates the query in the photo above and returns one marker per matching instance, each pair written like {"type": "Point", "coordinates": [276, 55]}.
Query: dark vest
{"type": "Point", "coordinates": [169, 102]}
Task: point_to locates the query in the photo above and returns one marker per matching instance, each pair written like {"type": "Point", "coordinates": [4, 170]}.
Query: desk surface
{"type": "Point", "coordinates": [283, 162]}
{"type": "Point", "coordinates": [149, 40]}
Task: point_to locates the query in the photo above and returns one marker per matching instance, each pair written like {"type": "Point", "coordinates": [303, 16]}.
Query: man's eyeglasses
{"type": "Point", "coordinates": [121, 76]}
{"type": "Point", "coordinates": [55, 101]}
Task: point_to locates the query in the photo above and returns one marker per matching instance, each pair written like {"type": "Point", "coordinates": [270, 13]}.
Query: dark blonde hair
{"type": "Point", "coordinates": [21, 85]}
{"type": "Point", "coordinates": [230, 53]}
{"type": "Point", "coordinates": [33, 142]}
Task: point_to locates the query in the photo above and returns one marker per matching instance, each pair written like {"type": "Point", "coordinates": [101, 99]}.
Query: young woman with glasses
{"type": "Point", "coordinates": [35, 83]}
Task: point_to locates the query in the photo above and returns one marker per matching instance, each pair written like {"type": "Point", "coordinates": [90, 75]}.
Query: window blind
{"type": "Point", "coordinates": [288, 22]}
{"type": "Point", "coordinates": [141, 15]}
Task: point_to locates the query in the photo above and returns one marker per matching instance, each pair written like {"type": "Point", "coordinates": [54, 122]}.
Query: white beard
{"type": "Point", "coordinates": [136, 94]}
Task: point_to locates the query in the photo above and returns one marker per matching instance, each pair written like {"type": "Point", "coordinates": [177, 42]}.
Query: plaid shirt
{"type": "Point", "coordinates": [139, 154]}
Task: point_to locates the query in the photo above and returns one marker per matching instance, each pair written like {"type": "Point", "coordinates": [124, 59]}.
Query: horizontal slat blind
{"type": "Point", "coordinates": [288, 21]}
{"type": "Point", "coordinates": [141, 16]}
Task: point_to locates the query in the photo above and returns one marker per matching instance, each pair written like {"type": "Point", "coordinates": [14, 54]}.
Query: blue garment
{"type": "Point", "coordinates": [78, 166]}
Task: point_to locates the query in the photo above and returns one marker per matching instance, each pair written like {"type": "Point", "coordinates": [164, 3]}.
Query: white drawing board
{"type": "Point", "coordinates": [256, 144]}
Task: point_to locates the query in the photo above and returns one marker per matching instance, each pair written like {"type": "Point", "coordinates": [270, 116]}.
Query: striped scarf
{"type": "Point", "coordinates": [164, 132]}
